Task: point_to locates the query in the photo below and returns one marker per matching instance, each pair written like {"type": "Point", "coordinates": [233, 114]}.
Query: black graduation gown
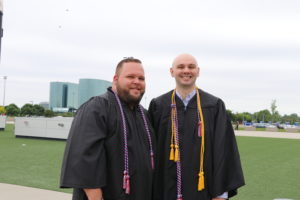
{"type": "Point", "coordinates": [222, 167]}
{"type": "Point", "coordinates": [94, 154]}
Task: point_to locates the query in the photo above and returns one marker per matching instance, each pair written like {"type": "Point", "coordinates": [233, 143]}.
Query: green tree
{"type": "Point", "coordinates": [231, 115]}
{"type": "Point", "coordinates": [38, 110]}
{"type": "Point", "coordinates": [49, 113]}
{"type": "Point", "coordinates": [12, 110]}
{"type": "Point", "coordinates": [239, 117]}
{"type": "Point", "coordinates": [27, 110]}
{"type": "Point", "coordinates": [276, 117]}
{"type": "Point", "coordinates": [67, 114]}
{"type": "Point", "coordinates": [292, 118]}
{"type": "Point", "coordinates": [273, 107]}
{"type": "Point", "coordinates": [247, 116]}
{"type": "Point", "coordinates": [2, 110]}
{"type": "Point", "coordinates": [274, 113]}
{"type": "Point", "coordinates": [263, 115]}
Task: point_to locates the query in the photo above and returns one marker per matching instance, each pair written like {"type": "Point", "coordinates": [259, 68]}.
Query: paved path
{"type": "Point", "coordinates": [15, 192]}
{"type": "Point", "coordinates": [268, 134]}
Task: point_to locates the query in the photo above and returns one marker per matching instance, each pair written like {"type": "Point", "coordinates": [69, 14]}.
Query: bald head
{"type": "Point", "coordinates": [184, 58]}
{"type": "Point", "coordinates": [185, 70]}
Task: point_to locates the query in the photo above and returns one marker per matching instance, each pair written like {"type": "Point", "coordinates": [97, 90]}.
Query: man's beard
{"type": "Point", "coordinates": [127, 97]}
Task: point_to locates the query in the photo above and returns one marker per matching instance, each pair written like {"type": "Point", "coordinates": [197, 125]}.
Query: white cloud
{"type": "Point", "coordinates": [248, 51]}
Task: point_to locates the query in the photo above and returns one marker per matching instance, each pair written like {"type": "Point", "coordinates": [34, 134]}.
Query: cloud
{"type": "Point", "coordinates": [247, 50]}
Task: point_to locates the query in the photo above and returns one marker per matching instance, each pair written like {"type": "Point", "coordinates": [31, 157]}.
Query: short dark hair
{"type": "Point", "coordinates": [126, 60]}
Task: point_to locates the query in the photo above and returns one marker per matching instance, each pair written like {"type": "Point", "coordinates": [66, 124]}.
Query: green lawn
{"type": "Point", "coordinates": [30, 162]}
{"type": "Point", "coordinates": [271, 166]}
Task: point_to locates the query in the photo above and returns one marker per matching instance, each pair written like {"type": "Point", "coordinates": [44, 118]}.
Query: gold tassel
{"type": "Point", "coordinates": [201, 181]}
{"type": "Point", "coordinates": [176, 158]}
{"type": "Point", "coordinates": [172, 152]}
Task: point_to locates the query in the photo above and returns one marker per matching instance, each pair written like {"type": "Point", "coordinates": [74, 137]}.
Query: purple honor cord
{"type": "Point", "coordinates": [149, 136]}
{"type": "Point", "coordinates": [178, 163]}
{"type": "Point", "coordinates": [126, 177]}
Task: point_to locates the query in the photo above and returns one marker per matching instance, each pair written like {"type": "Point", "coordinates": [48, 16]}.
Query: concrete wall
{"type": "Point", "coordinates": [2, 122]}
{"type": "Point", "coordinates": [55, 128]}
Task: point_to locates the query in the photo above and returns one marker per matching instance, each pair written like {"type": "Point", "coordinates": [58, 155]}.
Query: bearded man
{"type": "Point", "coordinates": [109, 153]}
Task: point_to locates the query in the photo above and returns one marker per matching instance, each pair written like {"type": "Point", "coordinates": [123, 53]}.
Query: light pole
{"type": "Point", "coordinates": [4, 86]}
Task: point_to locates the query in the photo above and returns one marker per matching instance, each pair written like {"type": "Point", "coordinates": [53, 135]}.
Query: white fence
{"type": "Point", "coordinates": [55, 128]}
{"type": "Point", "coordinates": [2, 122]}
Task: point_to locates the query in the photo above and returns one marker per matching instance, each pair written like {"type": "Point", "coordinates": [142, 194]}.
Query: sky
{"type": "Point", "coordinates": [248, 51]}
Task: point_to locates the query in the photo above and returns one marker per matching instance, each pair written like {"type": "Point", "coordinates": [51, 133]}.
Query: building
{"type": "Point", "coordinates": [91, 87]}
{"type": "Point", "coordinates": [72, 95]}
{"type": "Point", "coordinates": [44, 104]}
{"type": "Point", "coordinates": [65, 95]}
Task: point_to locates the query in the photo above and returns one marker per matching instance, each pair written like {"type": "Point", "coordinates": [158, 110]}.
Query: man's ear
{"type": "Point", "coordinates": [171, 71]}
{"type": "Point", "coordinates": [116, 77]}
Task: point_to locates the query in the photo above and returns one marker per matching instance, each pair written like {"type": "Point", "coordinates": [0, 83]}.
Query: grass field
{"type": "Point", "coordinates": [30, 162]}
{"type": "Point", "coordinates": [271, 166]}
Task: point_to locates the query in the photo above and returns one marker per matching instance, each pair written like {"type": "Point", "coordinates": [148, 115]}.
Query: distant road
{"type": "Point", "coordinates": [268, 134]}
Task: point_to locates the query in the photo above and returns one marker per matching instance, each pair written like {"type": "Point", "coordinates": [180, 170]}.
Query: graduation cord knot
{"type": "Point", "coordinates": [201, 181]}
{"type": "Point", "coordinates": [126, 177]}
{"type": "Point", "coordinates": [175, 147]}
{"type": "Point", "coordinates": [179, 197]}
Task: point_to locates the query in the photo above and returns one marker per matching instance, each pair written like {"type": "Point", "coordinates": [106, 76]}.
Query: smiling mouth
{"type": "Point", "coordinates": [186, 77]}
{"type": "Point", "coordinates": [135, 90]}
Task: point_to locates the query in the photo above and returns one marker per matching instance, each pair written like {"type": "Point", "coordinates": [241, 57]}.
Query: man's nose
{"type": "Point", "coordinates": [186, 69]}
{"type": "Point", "coordinates": [136, 80]}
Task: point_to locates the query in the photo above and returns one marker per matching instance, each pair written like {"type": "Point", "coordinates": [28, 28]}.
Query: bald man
{"type": "Point", "coordinates": [197, 154]}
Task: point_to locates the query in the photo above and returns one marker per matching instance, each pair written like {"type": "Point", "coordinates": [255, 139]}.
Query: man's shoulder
{"type": "Point", "coordinates": [163, 99]}
{"type": "Point", "coordinates": [97, 101]}
{"type": "Point", "coordinates": [207, 99]}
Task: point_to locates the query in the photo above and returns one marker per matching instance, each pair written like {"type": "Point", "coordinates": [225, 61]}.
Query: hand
{"type": "Point", "coordinates": [94, 194]}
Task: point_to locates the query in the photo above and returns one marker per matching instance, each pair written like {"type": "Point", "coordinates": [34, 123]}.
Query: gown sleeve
{"type": "Point", "coordinates": [227, 173]}
{"type": "Point", "coordinates": [154, 115]}
{"type": "Point", "coordinates": [84, 163]}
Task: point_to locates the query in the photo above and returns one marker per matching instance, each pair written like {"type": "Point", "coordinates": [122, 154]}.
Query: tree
{"type": "Point", "coordinates": [231, 115]}
{"type": "Point", "coordinates": [49, 113]}
{"type": "Point", "coordinates": [243, 117]}
{"type": "Point", "coordinates": [290, 118]}
{"type": "Point", "coordinates": [273, 107]}
{"type": "Point", "coordinates": [12, 110]}
{"type": "Point", "coordinates": [2, 110]}
{"type": "Point", "coordinates": [263, 115]}
{"type": "Point", "coordinates": [276, 117]}
{"type": "Point", "coordinates": [273, 110]}
{"type": "Point", "coordinates": [27, 110]}
{"type": "Point", "coordinates": [38, 110]}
